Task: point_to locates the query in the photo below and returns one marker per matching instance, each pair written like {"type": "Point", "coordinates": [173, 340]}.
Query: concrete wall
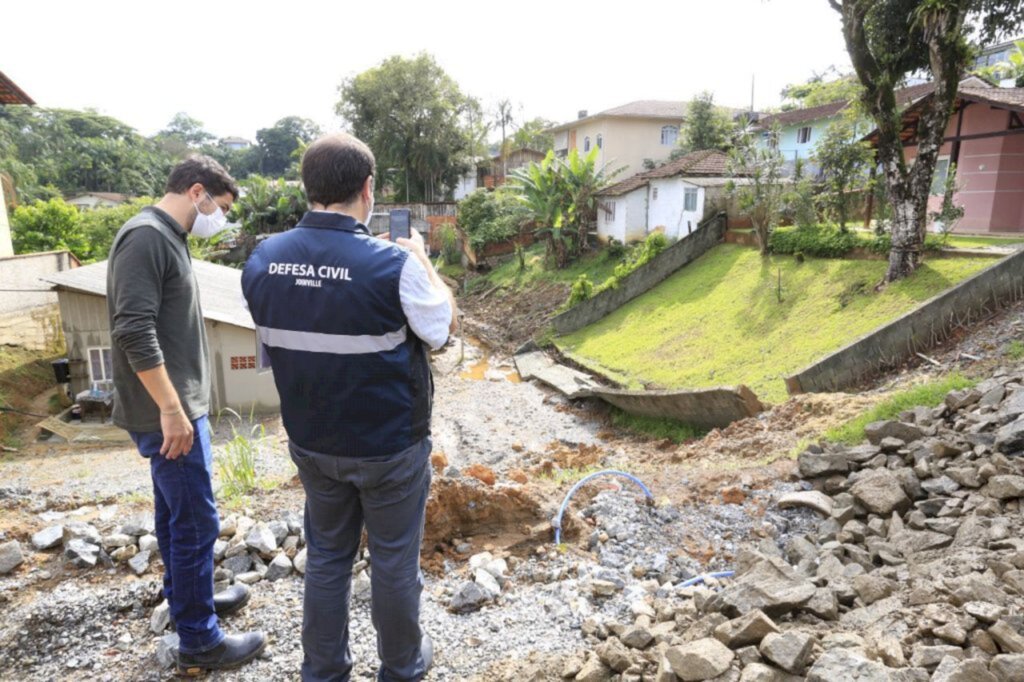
{"type": "Point", "coordinates": [29, 315]}
{"type": "Point", "coordinates": [920, 329]}
{"type": "Point", "coordinates": [705, 408]}
{"type": "Point", "coordinates": [646, 278]}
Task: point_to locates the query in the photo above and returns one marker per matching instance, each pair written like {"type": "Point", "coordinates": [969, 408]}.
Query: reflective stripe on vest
{"type": "Point", "coordinates": [337, 344]}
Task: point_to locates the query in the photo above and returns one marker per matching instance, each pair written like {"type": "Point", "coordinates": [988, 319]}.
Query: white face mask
{"type": "Point", "coordinates": [208, 224]}
{"type": "Point", "coordinates": [369, 214]}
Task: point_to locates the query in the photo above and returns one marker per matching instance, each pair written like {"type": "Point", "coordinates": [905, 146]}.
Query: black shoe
{"type": "Point", "coordinates": [225, 602]}
{"type": "Point", "coordinates": [234, 651]}
{"type": "Point", "coordinates": [426, 651]}
{"type": "Point", "coordinates": [230, 600]}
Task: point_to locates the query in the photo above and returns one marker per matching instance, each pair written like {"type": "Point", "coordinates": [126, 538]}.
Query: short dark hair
{"type": "Point", "coordinates": [335, 167]}
{"type": "Point", "coordinates": [204, 170]}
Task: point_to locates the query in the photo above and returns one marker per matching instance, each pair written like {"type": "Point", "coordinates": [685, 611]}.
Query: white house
{"type": "Point", "coordinates": [672, 199]}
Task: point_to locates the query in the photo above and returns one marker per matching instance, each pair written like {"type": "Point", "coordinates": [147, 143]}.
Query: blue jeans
{"type": "Point", "coordinates": [187, 525]}
{"type": "Point", "coordinates": [389, 497]}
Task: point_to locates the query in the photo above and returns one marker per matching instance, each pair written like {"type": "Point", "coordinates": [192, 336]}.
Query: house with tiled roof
{"type": "Point", "coordinates": [673, 198]}
{"type": "Point", "coordinates": [985, 143]}
{"type": "Point", "coordinates": [800, 130]}
{"type": "Point", "coordinates": [625, 135]}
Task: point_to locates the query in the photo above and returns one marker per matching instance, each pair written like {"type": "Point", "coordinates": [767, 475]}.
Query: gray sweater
{"type": "Point", "coordinates": [155, 318]}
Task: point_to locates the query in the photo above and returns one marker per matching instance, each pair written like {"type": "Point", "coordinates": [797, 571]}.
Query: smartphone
{"type": "Point", "coordinates": [399, 223]}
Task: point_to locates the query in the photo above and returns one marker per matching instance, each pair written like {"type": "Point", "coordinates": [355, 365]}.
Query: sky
{"type": "Point", "coordinates": [239, 67]}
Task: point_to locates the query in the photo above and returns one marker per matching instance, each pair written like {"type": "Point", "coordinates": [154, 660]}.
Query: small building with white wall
{"type": "Point", "coordinates": [672, 199]}
{"type": "Point", "coordinates": [230, 332]}
{"type": "Point", "coordinates": [29, 314]}
{"type": "Point", "coordinates": [92, 200]}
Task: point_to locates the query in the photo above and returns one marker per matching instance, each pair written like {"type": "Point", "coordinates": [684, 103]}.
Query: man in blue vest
{"type": "Point", "coordinates": [347, 320]}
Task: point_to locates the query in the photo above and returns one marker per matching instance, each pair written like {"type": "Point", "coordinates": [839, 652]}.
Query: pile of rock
{"type": "Point", "coordinates": [916, 573]}
{"type": "Point", "coordinates": [490, 575]}
{"type": "Point", "coordinates": [247, 551]}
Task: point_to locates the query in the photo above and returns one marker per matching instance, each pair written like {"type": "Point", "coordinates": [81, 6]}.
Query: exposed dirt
{"type": "Point", "coordinates": [507, 320]}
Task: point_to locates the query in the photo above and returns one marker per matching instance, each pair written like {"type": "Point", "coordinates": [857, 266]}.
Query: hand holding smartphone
{"type": "Point", "coordinates": [399, 224]}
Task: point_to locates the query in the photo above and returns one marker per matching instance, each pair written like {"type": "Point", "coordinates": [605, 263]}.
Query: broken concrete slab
{"type": "Point", "coordinates": [570, 382]}
{"type": "Point", "coordinates": [812, 499]}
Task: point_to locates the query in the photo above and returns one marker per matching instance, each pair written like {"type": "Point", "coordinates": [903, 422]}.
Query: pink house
{"type": "Point", "coordinates": [985, 140]}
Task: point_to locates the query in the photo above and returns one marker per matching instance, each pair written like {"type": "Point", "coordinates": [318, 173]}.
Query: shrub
{"type": "Point", "coordinates": [487, 217]}
{"type": "Point", "coordinates": [823, 242]}
{"type": "Point", "coordinates": [616, 249]}
{"type": "Point", "coordinates": [449, 245]}
{"type": "Point", "coordinates": [655, 243]}
{"type": "Point", "coordinates": [582, 289]}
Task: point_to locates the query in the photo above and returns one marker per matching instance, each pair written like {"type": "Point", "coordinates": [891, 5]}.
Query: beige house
{"type": "Point", "coordinates": [29, 315]}
{"type": "Point", "coordinates": [625, 136]}
{"type": "Point", "coordinates": [82, 293]}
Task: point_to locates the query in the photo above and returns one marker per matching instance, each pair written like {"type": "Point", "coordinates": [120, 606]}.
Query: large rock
{"type": "Point", "coordinates": [958, 400]}
{"type": "Point", "coordinates": [749, 628]}
{"type": "Point", "coordinates": [925, 656]}
{"type": "Point", "coordinates": [79, 530]}
{"type": "Point", "coordinates": [1008, 667]}
{"type": "Point", "coordinates": [279, 568]}
{"type": "Point", "coordinates": [637, 637]}
{"type": "Point", "coordinates": [1006, 487]}
{"type": "Point", "coordinates": [1009, 640]}
{"type": "Point", "coordinates": [770, 585]}
{"type": "Point", "coordinates": [139, 524]}
{"type": "Point", "coordinates": [161, 618]}
{"type": "Point", "coordinates": [261, 539]}
{"type": "Point", "coordinates": [49, 537]}
{"type": "Point", "coordinates": [702, 659]}
{"type": "Point", "coordinates": [879, 491]}
{"type": "Point", "coordinates": [468, 597]}
{"type": "Point", "coordinates": [847, 664]}
{"type": "Point", "coordinates": [953, 670]}
{"type": "Point", "coordinates": [81, 553]}
{"type": "Point", "coordinates": [594, 671]}
{"type": "Point", "coordinates": [908, 433]}
{"type": "Point", "coordinates": [1010, 437]}
{"type": "Point", "coordinates": [614, 654]}
{"type": "Point", "coordinates": [1012, 407]}
{"type": "Point", "coordinates": [789, 651]}
{"type": "Point", "coordinates": [813, 465]}
{"type": "Point", "coordinates": [871, 588]}
{"type": "Point", "coordinates": [139, 563]}
{"type": "Point", "coordinates": [10, 556]}
{"type": "Point", "coordinates": [300, 561]}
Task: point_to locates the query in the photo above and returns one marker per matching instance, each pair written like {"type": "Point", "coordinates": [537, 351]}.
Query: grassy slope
{"type": "Point", "coordinates": [598, 265]}
{"type": "Point", "coordinates": [718, 321]}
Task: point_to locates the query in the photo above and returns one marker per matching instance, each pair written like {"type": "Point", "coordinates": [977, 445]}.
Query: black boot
{"type": "Point", "coordinates": [234, 651]}
{"type": "Point", "coordinates": [225, 602]}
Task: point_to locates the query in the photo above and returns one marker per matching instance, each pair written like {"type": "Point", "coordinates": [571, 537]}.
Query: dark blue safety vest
{"type": "Point", "coordinates": [354, 379]}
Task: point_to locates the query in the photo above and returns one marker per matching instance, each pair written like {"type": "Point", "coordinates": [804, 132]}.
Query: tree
{"type": "Point", "coordinates": [561, 195]}
{"type": "Point", "coordinates": [758, 184]}
{"type": "Point", "coordinates": [843, 160]}
{"type": "Point", "coordinates": [416, 120]}
{"type": "Point", "coordinates": [503, 119]}
{"type": "Point", "coordinates": [707, 126]}
{"type": "Point", "coordinates": [889, 39]}
{"type": "Point", "coordinates": [186, 131]}
{"type": "Point", "coordinates": [831, 85]}
{"type": "Point", "coordinates": [533, 134]}
{"type": "Point", "coordinates": [48, 226]}
{"type": "Point", "coordinates": [278, 142]}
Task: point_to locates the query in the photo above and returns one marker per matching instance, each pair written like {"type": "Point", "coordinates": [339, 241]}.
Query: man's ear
{"type": "Point", "coordinates": [195, 192]}
{"type": "Point", "coordinates": [368, 189]}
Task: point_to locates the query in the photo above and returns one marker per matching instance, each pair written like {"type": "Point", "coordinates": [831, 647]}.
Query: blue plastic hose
{"type": "Point", "coordinates": [701, 578]}
{"type": "Point", "coordinates": [557, 523]}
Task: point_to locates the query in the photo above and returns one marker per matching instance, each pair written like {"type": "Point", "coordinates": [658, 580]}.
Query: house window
{"type": "Point", "coordinates": [600, 142]}
{"type": "Point", "coordinates": [690, 199]}
{"type": "Point", "coordinates": [669, 134]}
{"type": "Point", "coordinates": [609, 210]}
{"type": "Point", "coordinates": [939, 179]}
{"type": "Point", "coordinates": [586, 144]}
{"type": "Point", "coordinates": [243, 362]}
{"type": "Point", "coordinates": [100, 365]}
{"type": "Point", "coordinates": [654, 194]}
{"type": "Point", "coordinates": [803, 136]}
{"type": "Point", "coordinates": [1016, 121]}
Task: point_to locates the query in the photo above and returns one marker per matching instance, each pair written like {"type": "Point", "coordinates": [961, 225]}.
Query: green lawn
{"type": "Point", "coordinates": [963, 241]}
{"type": "Point", "coordinates": [719, 322]}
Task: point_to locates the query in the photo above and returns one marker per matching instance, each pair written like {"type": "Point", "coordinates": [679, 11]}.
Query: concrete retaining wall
{"type": "Point", "coordinates": [706, 408]}
{"type": "Point", "coordinates": [925, 326]}
{"type": "Point", "coordinates": [709, 234]}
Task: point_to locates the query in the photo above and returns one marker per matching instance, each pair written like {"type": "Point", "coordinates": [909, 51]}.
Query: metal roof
{"type": "Point", "coordinates": [10, 93]}
{"type": "Point", "coordinates": [220, 289]}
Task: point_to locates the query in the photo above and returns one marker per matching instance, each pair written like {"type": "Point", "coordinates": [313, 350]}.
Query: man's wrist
{"type": "Point", "coordinates": [170, 411]}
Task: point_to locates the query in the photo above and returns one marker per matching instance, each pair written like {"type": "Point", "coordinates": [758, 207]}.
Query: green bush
{"type": "Point", "coordinates": [655, 243]}
{"type": "Point", "coordinates": [487, 217]}
{"type": "Point", "coordinates": [823, 242]}
{"type": "Point", "coordinates": [449, 245]}
{"type": "Point", "coordinates": [582, 289]}
{"type": "Point", "coordinates": [52, 225]}
{"type": "Point", "coordinates": [616, 249]}
{"type": "Point", "coordinates": [881, 243]}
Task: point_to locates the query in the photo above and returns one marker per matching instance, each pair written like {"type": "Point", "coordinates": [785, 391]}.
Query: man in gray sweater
{"type": "Point", "coordinates": [162, 380]}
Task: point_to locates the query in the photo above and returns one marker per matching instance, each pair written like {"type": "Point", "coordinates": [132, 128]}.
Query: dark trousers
{"type": "Point", "coordinates": [186, 528]}
{"type": "Point", "coordinates": [389, 496]}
